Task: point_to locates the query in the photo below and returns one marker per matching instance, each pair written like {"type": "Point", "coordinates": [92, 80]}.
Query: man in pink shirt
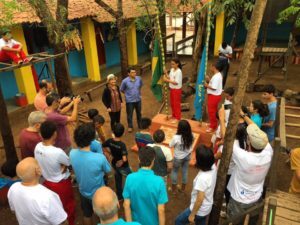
{"type": "Point", "coordinates": [63, 139]}
{"type": "Point", "coordinates": [40, 99]}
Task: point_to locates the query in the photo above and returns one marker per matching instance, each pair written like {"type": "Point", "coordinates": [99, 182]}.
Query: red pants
{"type": "Point", "coordinates": [65, 192]}
{"type": "Point", "coordinates": [175, 101]}
{"type": "Point", "coordinates": [12, 56]}
{"type": "Point", "coordinates": [212, 108]}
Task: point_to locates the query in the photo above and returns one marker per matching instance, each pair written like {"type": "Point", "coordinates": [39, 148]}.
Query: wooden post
{"type": "Point", "coordinates": [282, 124]}
{"type": "Point", "coordinates": [184, 15]}
{"type": "Point", "coordinates": [271, 211]}
{"type": "Point", "coordinates": [273, 169]}
{"type": "Point", "coordinates": [67, 64]}
{"type": "Point", "coordinates": [52, 76]}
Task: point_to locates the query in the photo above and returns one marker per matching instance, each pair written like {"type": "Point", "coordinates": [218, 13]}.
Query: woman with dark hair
{"type": "Point", "coordinates": [175, 83]}
{"type": "Point", "coordinates": [203, 189]}
{"type": "Point", "coordinates": [258, 111]}
{"type": "Point", "coordinates": [112, 100]}
{"type": "Point", "coordinates": [182, 143]}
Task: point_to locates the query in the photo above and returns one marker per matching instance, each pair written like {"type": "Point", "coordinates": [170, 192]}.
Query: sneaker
{"type": "Point", "coordinates": [130, 130]}
{"type": "Point", "coordinates": [28, 59]}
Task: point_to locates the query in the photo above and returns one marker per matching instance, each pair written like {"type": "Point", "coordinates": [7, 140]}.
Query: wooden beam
{"type": "Point", "coordinates": [292, 124]}
{"type": "Point", "coordinates": [292, 107]}
{"type": "Point", "coordinates": [293, 136]}
{"type": "Point", "coordinates": [292, 115]}
{"type": "Point", "coordinates": [274, 166]}
{"type": "Point", "coordinates": [282, 131]}
{"type": "Point", "coordinates": [271, 211]}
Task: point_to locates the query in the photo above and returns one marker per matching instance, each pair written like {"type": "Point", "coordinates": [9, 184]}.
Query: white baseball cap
{"type": "Point", "coordinates": [257, 137]}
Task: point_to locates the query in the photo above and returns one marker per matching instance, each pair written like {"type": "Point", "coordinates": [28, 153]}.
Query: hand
{"type": "Point", "coordinates": [165, 71]}
{"type": "Point", "coordinates": [205, 85]}
{"type": "Point", "coordinates": [175, 83]}
{"type": "Point", "coordinates": [108, 109]}
{"type": "Point", "coordinates": [76, 100]}
{"type": "Point", "coordinates": [65, 100]}
{"type": "Point", "coordinates": [191, 218]}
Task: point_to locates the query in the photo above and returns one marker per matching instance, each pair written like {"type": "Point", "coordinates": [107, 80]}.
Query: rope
{"type": "Point", "coordinates": [165, 87]}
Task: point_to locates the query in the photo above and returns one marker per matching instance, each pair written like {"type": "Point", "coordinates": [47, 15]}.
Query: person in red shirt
{"type": "Point", "coordinates": [30, 137]}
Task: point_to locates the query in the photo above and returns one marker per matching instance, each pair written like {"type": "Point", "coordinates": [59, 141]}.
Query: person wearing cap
{"type": "Point", "coordinates": [251, 168]}
{"type": "Point", "coordinates": [11, 50]}
{"type": "Point", "coordinates": [131, 86]}
{"type": "Point", "coordinates": [225, 54]}
{"type": "Point", "coordinates": [112, 100]}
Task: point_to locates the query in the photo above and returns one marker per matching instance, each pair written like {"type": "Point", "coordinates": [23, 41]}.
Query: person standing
{"type": "Point", "coordinates": [131, 87]}
{"type": "Point", "coordinates": [203, 189]}
{"type": "Point", "coordinates": [40, 98]}
{"type": "Point", "coordinates": [225, 54]}
{"type": "Point", "coordinates": [144, 137]}
{"type": "Point", "coordinates": [269, 98]}
{"type": "Point", "coordinates": [295, 166]}
{"type": "Point", "coordinates": [89, 168]}
{"type": "Point", "coordinates": [63, 139]}
{"type": "Point", "coordinates": [145, 194]}
{"type": "Point", "coordinates": [182, 143]}
{"type": "Point", "coordinates": [30, 136]}
{"type": "Point", "coordinates": [248, 176]}
{"type": "Point", "coordinates": [119, 154]}
{"type": "Point", "coordinates": [106, 206]}
{"type": "Point", "coordinates": [112, 100]}
{"type": "Point", "coordinates": [214, 95]}
{"type": "Point", "coordinates": [175, 83]}
{"type": "Point", "coordinates": [54, 165]}
{"type": "Point", "coordinates": [33, 203]}
{"type": "Point", "coordinates": [258, 111]}
{"type": "Point", "coordinates": [12, 50]}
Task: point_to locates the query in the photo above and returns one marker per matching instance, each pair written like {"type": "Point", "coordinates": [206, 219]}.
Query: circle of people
{"type": "Point", "coordinates": [43, 192]}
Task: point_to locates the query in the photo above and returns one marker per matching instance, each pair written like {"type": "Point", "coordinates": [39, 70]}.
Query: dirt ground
{"type": "Point", "coordinates": [149, 108]}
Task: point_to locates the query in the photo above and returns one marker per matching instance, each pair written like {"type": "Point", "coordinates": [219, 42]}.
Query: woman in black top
{"type": "Point", "coordinates": [112, 100]}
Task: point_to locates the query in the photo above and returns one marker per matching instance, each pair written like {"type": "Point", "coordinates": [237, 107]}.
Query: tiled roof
{"type": "Point", "coordinates": [175, 6]}
{"type": "Point", "coordinates": [81, 8]}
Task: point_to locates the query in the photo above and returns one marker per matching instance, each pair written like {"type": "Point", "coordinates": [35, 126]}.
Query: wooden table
{"type": "Point", "coordinates": [199, 131]}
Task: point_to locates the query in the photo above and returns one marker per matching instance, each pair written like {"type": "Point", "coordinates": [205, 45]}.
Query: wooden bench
{"type": "Point", "coordinates": [89, 91]}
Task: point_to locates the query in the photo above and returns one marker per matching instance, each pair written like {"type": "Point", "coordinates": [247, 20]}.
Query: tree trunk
{"type": "Point", "coordinates": [236, 29]}
{"type": "Point", "coordinates": [6, 133]}
{"type": "Point", "coordinates": [63, 80]}
{"type": "Point", "coordinates": [197, 47]}
{"type": "Point", "coordinates": [243, 73]}
{"type": "Point", "coordinates": [122, 28]}
{"type": "Point", "coordinates": [184, 15]}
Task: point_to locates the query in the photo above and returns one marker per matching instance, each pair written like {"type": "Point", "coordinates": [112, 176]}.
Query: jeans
{"type": "Point", "coordinates": [114, 118]}
{"type": "Point", "coordinates": [130, 106]}
{"type": "Point", "coordinates": [235, 208]}
{"type": "Point", "coordinates": [184, 164]}
{"type": "Point", "coordinates": [119, 173]}
{"type": "Point", "coordinates": [183, 218]}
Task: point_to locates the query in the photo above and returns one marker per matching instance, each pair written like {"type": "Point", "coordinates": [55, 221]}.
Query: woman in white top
{"type": "Point", "coordinates": [182, 143]}
{"type": "Point", "coordinates": [214, 95]}
{"type": "Point", "coordinates": [175, 83]}
{"type": "Point", "coordinates": [203, 189]}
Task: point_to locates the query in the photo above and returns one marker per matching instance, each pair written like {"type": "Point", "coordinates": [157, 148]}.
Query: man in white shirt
{"type": "Point", "coordinates": [54, 162]}
{"type": "Point", "coordinates": [11, 50]}
{"type": "Point", "coordinates": [33, 203]}
{"type": "Point", "coordinates": [214, 95]}
{"type": "Point", "coordinates": [251, 168]}
{"type": "Point", "coordinates": [225, 54]}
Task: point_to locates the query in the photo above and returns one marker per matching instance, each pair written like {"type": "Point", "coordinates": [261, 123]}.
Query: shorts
{"type": "Point", "coordinates": [86, 206]}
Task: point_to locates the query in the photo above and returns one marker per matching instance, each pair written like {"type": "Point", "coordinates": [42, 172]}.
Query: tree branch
{"type": "Point", "coordinates": [107, 8]}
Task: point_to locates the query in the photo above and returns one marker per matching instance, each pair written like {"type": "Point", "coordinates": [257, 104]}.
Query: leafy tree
{"type": "Point", "coordinates": [237, 12]}
{"type": "Point", "coordinates": [293, 11]}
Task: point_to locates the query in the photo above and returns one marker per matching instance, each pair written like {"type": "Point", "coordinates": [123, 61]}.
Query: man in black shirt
{"type": "Point", "coordinates": [119, 157]}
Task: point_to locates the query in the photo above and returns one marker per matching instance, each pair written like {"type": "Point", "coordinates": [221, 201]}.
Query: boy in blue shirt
{"type": "Point", "coordinates": [269, 98]}
{"type": "Point", "coordinates": [145, 194]}
{"type": "Point", "coordinates": [89, 168]}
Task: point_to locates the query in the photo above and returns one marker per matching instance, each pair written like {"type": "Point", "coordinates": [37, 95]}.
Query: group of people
{"type": "Point", "coordinates": [42, 188]}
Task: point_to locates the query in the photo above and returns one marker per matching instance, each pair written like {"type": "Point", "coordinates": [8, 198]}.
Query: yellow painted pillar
{"type": "Point", "coordinates": [132, 45]}
{"type": "Point", "coordinates": [24, 77]}
{"type": "Point", "coordinates": [90, 49]}
{"type": "Point", "coordinates": [219, 32]}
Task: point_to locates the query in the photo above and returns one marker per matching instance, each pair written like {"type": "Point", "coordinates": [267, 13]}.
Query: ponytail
{"type": "Point", "coordinates": [177, 61]}
{"type": "Point", "coordinates": [262, 109]}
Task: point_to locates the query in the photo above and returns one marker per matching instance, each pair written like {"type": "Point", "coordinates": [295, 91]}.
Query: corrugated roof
{"type": "Point", "coordinates": [79, 9]}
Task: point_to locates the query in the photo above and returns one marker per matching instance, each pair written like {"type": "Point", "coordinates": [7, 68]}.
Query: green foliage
{"type": "Point", "coordinates": [235, 10]}
{"type": "Point", "coordinates": [293, 11]}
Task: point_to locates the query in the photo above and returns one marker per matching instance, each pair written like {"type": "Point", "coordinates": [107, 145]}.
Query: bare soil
{"type": "Point", "coordinates": [149, 108]}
